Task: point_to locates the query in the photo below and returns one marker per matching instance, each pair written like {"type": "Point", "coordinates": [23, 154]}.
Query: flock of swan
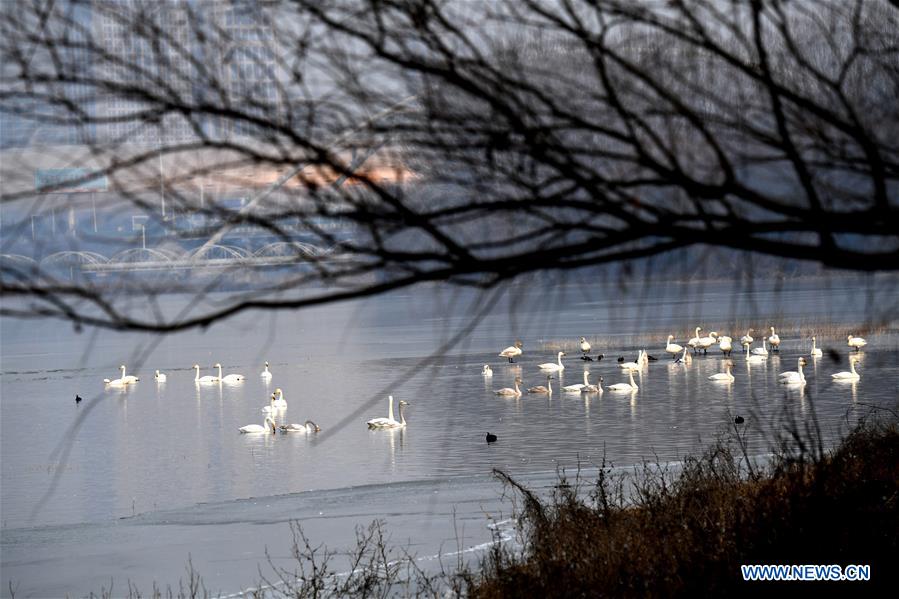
{"type": "Point", "coordinates": [277, 403]}
{"type": "Point", "coordinates": [680, 354]}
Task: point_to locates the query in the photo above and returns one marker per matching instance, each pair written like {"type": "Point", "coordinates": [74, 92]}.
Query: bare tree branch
{"type": "Point", "coordinates": [374, 145]}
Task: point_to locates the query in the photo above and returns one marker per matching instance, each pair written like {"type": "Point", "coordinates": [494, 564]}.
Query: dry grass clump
{"type": "Point", "coordinates": [687, 535]}
{"type": "Point", "coordinates": [656, 532]}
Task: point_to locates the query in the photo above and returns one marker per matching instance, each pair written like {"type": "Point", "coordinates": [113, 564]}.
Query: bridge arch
{"type": "Point", "coordinates": [72, 258]}
{"type": "Point", "coordinates": [144, 255]}
{"type": "Point", "coordinates": [20, 261]}
{"type": "Point", "coordinates": [219, 252]}
{"type": "Point", "coordinates": [289, 248]}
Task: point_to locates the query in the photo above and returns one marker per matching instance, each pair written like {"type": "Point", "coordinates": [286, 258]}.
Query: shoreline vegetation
{"type": "Point", "coordinates": [654, 532]}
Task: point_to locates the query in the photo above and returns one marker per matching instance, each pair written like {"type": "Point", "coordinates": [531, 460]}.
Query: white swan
{"type": "Point", "coordinates": [389, 418]}
{"type": "Point", "coordinates": [854, 342]}
{"type": "Point", "coordinates": [267, 426]}
{"type": "Point", "coordinates": [585, 347]}
{"type": "Point", "coordinates": [726, 345]}
{"type": "Point", "coordinates": [694, 340]}
{"type": "Point", "coordinates": [279, 401]}
{"type": "Point", "coordinates": [597, 388]}
{"type": "Point", "coordinates": [553, 366]}
{"type": "Point", "coordinates": [128, 379]}
{"type": "Point", "coordinates": [229, 378]}
{"type": "Point", "coordinates": [548, 389]}
{"type": "Point", "coordinates": [847, 376]}
{"type": "Point", "coordinates": [726, 376]}
{"type": "Point", "coordinates": [746, 340]}
{"type": "Point", "coordinates": [684, 359]}
{"type": "Point", "coordinates": [673, 348]}
{"type": "Point", "coordinates": [119, 382]}
{"type": "Point", "coordinates": [578, 387]}
{"type": "Point", "coordinates": [794, 377]}
{"type": "Point", "coordinates": [816, 351]}
{"type": "Point", "coordinates": [274, 405]}
{"type": "Point", "coordinates": [389, 422]}
{"type": "Point", "coordinates": [122, 380]}
{"type": "Point", "coordinates": [509, 391]}
{"type": "Point", "coordinates": [160, 377]}
{"type": "Point", "coordinates": [643, 358]}
{"type": "Point", "coordinates": [632, 386]}
{"type": "Point", "coordinates": [513, 351]}
{"type": "Point", "coordinates": [487, 371]}
{"type": "Point", "coordinates": [266, 374]}
{"type": "Point", "coordinates": [760, 351]}
{"type": "Point", "coordinates": [705, 343]}
{"type": "Point", "coordinates": [204, 379]}
{"type": "Point", "coordinates": [635, 365]}
{"type": "Point", "coordinates": [307, 427]}
{"type": "Point", "coordinates": [755, 358]}
{"type": "Point", "coordinates": [774, 340]}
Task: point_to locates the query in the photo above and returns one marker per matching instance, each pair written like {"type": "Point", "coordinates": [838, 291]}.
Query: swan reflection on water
{"type": "Point", "coordinates": [853, 387]}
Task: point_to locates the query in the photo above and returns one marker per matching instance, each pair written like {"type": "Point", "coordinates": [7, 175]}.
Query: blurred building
{"type": "Point", "coordinates": [206, 49]}
{"type": "Point", "coordinates": [38, 115]}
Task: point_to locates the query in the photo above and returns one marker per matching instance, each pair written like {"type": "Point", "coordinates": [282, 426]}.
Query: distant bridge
{"type": "Point", "coordinates": [282, 253]}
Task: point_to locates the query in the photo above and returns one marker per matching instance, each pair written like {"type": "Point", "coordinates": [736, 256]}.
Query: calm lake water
{"type": "Point", "coordinates": [120, 485]}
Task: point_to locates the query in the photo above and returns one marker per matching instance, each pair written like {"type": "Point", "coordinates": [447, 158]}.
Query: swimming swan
{"type": "Point", "coordinates": [847, 376]}
{"type": "Point", "coordinates": [541, 389]}
{"type": "Point", "coordinates": [726, 376]}
{"type": "Point", "coordinates": [684, 359]}
{"type": "Point", "coordinates": [513, 351]}
{"type": "Point", "coordinates": [279, 402]}
{"type": "Point", "coordinates": [553, 366]}
{"type": "Point", "coordinates": [643, 359]}
{"type": "Point", "coordinates": [389, 422]}
{"type": "Point", "coordinates": [854, 342]}
{"type": "Point", "coordinates": [794, 377]}
{"type": "Point", "coordinates": [487, 371]}
{"type": "Point", "coordinates": [579, 386]}
{"type": "Point", "coordinates": [123, 380]}
{"type": "Point", "coordinates": [274, 406]}
{"type": "Point", "coordinates": [632, 386]}
{"type": "Point", "coordinates": [267, 426]}
{"type": "Point", "coordinates": [760, 351]}
{"type": "Point", "coordinates": [307, 427]}
{"type": "Point", "coordinates": [673, 348]}
{"type": "Point", "coordinates": [160, 378]}
{"type": "Point", "coordinates": [229, 378]}
{"type": "Point", "coordinates": [204, 379]}
{"type": "Point", "coordinates": [510, 392]}
{"type": "Point", "coordinates": [635, 365]}
{"type": "Point", "coordinates": [119, 382]}
{"type": "Point", "coordinates": [266, 374]}
{"type": "Point", "coordinates": [597, 388]}
{"type": "Point", "coordinates": [128, 379]}
{"type": "Point", "coordinates": [389, 411]}
{"type": "Point", "coordinates": [816, 351]}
